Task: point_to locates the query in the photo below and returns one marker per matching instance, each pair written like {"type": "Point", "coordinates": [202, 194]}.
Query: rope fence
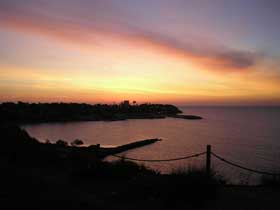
{"type": "Point", "coordinates": [208, 154]}
{"type": "Point", "coordinates": [243, 167]}
{"type": "Point", "coordinates": [161, 160]}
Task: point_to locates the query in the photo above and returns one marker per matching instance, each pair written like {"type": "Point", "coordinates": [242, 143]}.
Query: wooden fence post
{"type": "Point", "coordinates": [208, 160]}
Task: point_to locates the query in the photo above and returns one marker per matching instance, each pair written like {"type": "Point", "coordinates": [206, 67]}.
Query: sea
{"type": "Point", "coordinates": [246, 136]}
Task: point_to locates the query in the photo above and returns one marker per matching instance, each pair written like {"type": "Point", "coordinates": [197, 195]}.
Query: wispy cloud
{"type": "Point", "coordinates": [91, 21]}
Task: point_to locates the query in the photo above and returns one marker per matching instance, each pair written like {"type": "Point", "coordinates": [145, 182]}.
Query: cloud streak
{"type": "Point", "coordinates": [93, 22]}
{"type": "Point", "coordinates": [216, 56]}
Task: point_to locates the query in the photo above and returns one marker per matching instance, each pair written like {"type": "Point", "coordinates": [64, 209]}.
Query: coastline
{"type": "Point", "coordinates": [25, 113]}
{"type": "Point", "coordinates": [74, 177]}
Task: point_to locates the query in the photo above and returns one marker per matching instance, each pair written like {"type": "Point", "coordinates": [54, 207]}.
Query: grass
{"type": "Point", "coordinates": [117, 170]}
{"type": "Point", "coordinates": [270, 181]}
{"type": "Point", "coordinates": [194, 184]}
{"type": "Point", "coordinates": [198, 175]}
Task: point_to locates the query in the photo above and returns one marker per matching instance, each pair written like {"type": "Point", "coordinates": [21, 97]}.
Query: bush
{"type": "Point", "coordinates": [47, 141]}
{"type": "Point", "coordinates": [61, 143]}
{"type": "Point", "coordinates": [77, 142]}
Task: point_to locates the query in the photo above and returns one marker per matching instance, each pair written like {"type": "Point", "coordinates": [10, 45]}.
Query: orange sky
{"type": "Point", "coordinates": [54, 58]}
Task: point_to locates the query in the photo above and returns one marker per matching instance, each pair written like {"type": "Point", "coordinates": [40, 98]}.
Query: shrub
{"type": "Point", "coordinates": [47, 141]}
{"type": "Point", "coordinates": [77, 142]}
{"type": "Point", "coordinates": [61, 143]}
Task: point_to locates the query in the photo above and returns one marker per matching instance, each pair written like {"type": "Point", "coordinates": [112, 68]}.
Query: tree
{"type": "Point", "coordinates": [77, 142]}
{"type": "Point", "coordinates": [61, 143]}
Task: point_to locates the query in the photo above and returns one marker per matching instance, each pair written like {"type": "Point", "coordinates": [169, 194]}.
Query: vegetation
{"type": "Point", "coordinates": [271, 181]}
{"type": "Point", "coordinates": [197, 175]}
{"type": "Point", "coordinates": [61, 143]}
{"type": "Point", "coordinates": [59, 175]}
{"type": "Point", "coordinates": [77, 142]}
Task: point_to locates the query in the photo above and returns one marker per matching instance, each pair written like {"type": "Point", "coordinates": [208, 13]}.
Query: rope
{"type": "Point", "coordinates": [161, 160]}
{"type": "Point", "coordinates": [197, 155]}
{"type": "Point", "coordinates": [242, 167]}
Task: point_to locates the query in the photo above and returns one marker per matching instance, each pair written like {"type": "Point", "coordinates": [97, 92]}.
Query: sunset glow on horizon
{"type": "Point", "coordinates": [182, 52]}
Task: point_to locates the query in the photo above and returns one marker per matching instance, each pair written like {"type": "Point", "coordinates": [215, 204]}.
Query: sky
{"type": "Point", "coordinates": [186, 52]}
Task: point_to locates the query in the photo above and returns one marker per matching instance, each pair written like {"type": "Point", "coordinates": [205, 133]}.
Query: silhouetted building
{"type": "Point", "coordinates": [126, 104]}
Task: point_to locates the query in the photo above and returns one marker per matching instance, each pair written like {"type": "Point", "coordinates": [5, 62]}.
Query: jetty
{"type": "Point", "coordinates": [106, 151]}
{"type": "Point", "coordinates": [186, 117]}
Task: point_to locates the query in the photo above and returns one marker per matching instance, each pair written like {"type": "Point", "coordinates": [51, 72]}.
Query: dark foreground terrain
{"type": "Point", "coordinates": [49, 176]}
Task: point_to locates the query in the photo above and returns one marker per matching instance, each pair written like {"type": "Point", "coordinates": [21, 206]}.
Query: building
{"type": "Point", "coordinates": [126, 103]}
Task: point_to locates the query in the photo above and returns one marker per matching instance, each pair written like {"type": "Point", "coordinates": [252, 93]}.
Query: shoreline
{"type": "Point", "coordinates": [186, 117]}
{"type": "Point", "coordinates": [25, 113]}
{"type": "Point", "coordinates": [68, 177]}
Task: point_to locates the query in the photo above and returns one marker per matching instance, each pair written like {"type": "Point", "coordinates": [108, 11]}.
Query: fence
{"type": "Point", "coordinates": [208, 154]}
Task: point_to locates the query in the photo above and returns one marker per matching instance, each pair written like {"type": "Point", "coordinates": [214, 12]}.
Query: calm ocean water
{"type": "Point", "coordinates": [249, 136]}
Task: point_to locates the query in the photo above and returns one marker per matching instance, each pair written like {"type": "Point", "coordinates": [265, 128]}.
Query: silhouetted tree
{"type": "Point", "coordinates": [77, 142]}
{"type": "Point", "coordinates": [61, 143]}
